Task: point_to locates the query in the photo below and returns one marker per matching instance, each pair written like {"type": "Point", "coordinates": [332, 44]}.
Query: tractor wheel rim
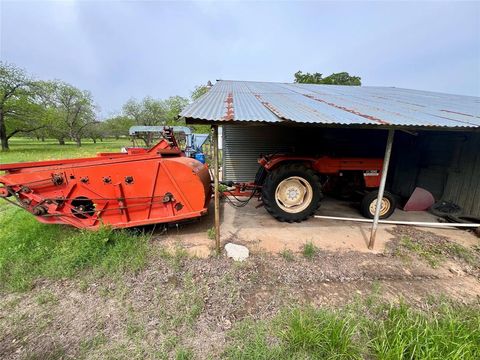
{"type": "Point", "coordinates": [293, 194]}
{"type": "Point", "coordinates": [383, 210]}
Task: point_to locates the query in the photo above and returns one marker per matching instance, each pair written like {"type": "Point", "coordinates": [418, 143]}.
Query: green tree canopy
{"type": "Point", "coordinates": [342, 78]}
{"type": "Point", "coordinates": [199, 91]}
{"type": "Point", "coordinates": [20, 111]}
{"type": "Point", "coordinates": [153, 112]}
{"type": "Point", "coordinates": [70, 111]}
{"type": "Point", "coordinates": [118, 126]}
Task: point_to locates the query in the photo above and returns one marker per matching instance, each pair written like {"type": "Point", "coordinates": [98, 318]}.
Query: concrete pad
{"type": "Point", "coordinates": [260, 232]}
{"type": "Point", "coordinates": [255, 227]}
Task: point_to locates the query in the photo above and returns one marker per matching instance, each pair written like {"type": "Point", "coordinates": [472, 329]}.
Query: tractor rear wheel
{"type": "Point", "coordinates": [291, 192]}
{"type": "Point", "coordinates": [369, 204]}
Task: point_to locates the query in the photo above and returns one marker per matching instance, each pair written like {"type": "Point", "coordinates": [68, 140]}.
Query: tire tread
{"type": "Point", "coordinates": [269, 187]}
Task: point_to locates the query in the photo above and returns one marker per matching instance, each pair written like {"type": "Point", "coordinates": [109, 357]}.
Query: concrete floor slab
{"type": "Point", "coordinates": [260, 232]}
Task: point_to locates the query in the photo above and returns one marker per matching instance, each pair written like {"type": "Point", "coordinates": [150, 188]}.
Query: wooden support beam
{"type": "Point", "coordinates": [381, 190]}
{"type": "Point", "coordinates": [216, 174]}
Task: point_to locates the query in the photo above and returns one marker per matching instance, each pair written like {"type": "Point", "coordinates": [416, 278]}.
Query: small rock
{"type": "Point", "coordinates": [456, 271]}
{"type": "Point", "coordinates": [236, 252]}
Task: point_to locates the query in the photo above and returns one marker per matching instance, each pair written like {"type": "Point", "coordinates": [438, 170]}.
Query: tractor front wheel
{"type": "Point", "coordinates": [369, 204]}
{"type": "Point", "coordinates": [291, 192]}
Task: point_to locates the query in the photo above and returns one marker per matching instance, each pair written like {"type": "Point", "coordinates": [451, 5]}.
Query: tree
{"type": "Point", "coordinates": [174, 106]}
{"type": "Point", "coordinates": [98, 130]}
{"type": "Point", "coordinates": [342, 78]}
{"type": "Point", "coordinates": [118, 126]}
{"type": "Point", "coordinates": [70, 111]}
{"type": "Point", "coordinates": [19, 112]}
{"type": "Point", "coordinates": [148, 112]}
{"type": "Point", "coordinates": [199, 91]}
{"type": "Point", "coordinates": [308, 78]}
{"type": "Point", "coordinates": [196, 94]}
{"type": "Point", "coordinates": [152, 112]}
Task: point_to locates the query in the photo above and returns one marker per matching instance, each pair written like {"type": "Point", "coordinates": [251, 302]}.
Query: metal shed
{"type": "Point", "coordinates": [438, 146]}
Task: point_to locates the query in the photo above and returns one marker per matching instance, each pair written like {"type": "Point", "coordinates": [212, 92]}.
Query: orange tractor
{"type": "Point", "coordinates": [164, 184]}
{"type": "Point", "coordinates": [291, 187]}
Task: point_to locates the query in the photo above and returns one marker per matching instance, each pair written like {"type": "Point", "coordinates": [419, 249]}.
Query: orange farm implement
{"type": "Point", "coordinates": [139, 187]}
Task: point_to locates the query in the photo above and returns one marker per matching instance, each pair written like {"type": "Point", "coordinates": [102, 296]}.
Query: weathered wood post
{"type": "Point", "coordinates": [216, 174]}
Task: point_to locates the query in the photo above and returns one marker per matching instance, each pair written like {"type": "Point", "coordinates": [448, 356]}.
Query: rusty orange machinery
{"type": "Point", "coordinates": [140, 187]}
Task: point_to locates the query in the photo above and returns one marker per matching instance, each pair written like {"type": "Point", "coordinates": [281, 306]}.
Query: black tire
{"type": "Point", "coordinates": [283, 172]}
{"type": "Point", "coordinates": [444, 209]}
{"type": "Point", "coordinates": [367, 200]}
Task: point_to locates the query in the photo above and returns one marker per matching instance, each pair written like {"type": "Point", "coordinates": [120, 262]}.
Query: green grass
{"type": "Point", "coordinates": [46, 297]}
{"type": "Point", "coordinates": [287, 254]}
{"type": "Point", "coordinates": [30, 250]}
{"type": "Point", "coordinates": [432, 256]}
{"type": "Point", "coordinates": [211, 233]}
{"type": "Point", "coordinates": [184, 354]}
{"type": "Point", "coordinates": [446, 334]}
{"type": "Point", "coordinates": [434, 253]}
{"type": "Point", "coordinates": [382, 332]}
{"type": "Point", "coordinates": [22, 149]}
{"type": "Point", "coordinates": [321, 333]}
{"type": "Point", "coordinates": [309, 250]}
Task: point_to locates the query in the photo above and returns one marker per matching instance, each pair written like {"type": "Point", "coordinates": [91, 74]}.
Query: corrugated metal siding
{"type": "Point", "coordinates": [242, 147]}
{"type": "Point", "coordinates": [249, 101]}
{"type": "Point", "coordinates": [463, 182]}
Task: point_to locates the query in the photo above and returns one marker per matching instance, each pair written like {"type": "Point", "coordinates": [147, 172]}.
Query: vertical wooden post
{"type": "Point", "coordinates": [381, 189]}
{"type": "Point", "coordinates": [216, 186]}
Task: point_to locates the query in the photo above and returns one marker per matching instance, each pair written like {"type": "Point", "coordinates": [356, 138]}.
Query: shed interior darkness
{"type": "Point", "coordinates": [446, 163]}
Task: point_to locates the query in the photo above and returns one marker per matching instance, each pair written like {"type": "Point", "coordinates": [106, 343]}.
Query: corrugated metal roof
{"type": "Point", "coordinates": [230, 101]}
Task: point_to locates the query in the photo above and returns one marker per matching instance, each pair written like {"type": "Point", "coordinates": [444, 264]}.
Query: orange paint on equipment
{"type": "Point", "coordinates": [140, 187]}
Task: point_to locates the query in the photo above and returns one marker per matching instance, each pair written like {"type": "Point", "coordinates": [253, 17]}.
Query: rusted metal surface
{"type": "Point", "coordinates": [230, 112]}
{"type": "Point", "coordinates": [270, 107]}
{"type": "Point", "coordinates": [369, 117]}
{"type": "Point", "coordinates": [248, 101]}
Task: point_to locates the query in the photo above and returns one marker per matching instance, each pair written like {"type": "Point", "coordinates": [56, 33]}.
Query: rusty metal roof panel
{"type": "Point", "coordinates": [232, 101]}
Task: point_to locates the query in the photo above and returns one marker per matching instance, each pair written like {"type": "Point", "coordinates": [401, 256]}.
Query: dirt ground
{"type": "Point", "coordinates": [194, 301]}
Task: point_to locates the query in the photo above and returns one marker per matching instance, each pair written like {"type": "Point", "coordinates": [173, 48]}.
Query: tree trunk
{"type": "Point", "coordinates": [43, 138]}
{"type": "Point", "coordinates": [78, 141]}
{"type": "Point", "coordinates": [101, 139]}
{"type": "Point", "coordinates": [61, 141]}
{"type": "Point", "coordinates": [3, 133]}
{"type": "Point", "coordinates": [94, 140]}
{"type": "Point", "coordinates": [117, 137]}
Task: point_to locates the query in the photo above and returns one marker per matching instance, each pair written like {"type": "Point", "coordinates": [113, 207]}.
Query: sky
{"type": "Point", "coordinates": [130, 49]}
